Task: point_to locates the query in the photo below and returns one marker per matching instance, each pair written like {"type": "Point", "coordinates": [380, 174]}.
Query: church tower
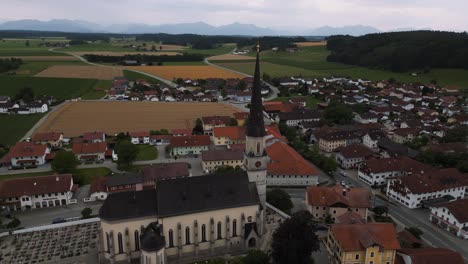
{"type": "Point", "coordinates": [255, 157]}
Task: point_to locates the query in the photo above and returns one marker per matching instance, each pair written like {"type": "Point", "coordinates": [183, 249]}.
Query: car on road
{"type": "Point", "coordinates": [344, 174]}
{"type": "Point", "coordinates": [58, 220]}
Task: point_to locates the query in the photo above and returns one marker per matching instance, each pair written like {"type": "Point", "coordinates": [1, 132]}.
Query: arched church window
{"type": "Point", "coordinates": [187, 235]}
{"type": "Point", "coordinates": [171, 238]}
{"type": "Point", "coordinates": [203, 233]}
{"type": "Point", "coordinates": [120, 243]}
{"type": "Point", "coordinates": [137, 240]}
{"type": "Point", "coordinates": [234, 227]}
{"type": "Point", "coordinates": [219, 230]}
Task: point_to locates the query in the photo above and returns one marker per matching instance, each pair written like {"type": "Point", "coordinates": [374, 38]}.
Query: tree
{"type": "Point", "coordinates": [338, 113]}
{"type": "Point", "coordinates": [26, 94]}
{"type": "Point", "coordinates": [86, 213]}
{"type": "Point", "coordinates": [233, 122]}
{"type": "Point", "coordinates": [295, 240]}
{"type": "Point", "coordinates": [64, 162]}
{"type": "Point", "coordinates": [27, 44]}
{"type": "Point", "coordinates": [127, 153]}
{"type": "Point", "coordinates": [457, 134]}
{"type": "Point", "coordinates": [380, 210]}
{"type": "Point", "coordinates": [280, 199]}
{"type": "Point", "coordinates": [242, 85]}
{"type": "Point", "coordinates": [13, 223]}
{"type": "Point", "coordinates": [198, 129]}
{"type": "Point", "coordinates": [415, 232]}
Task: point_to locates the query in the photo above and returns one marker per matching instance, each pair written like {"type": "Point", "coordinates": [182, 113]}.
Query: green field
{"type": "Point", "coordinates": [223, 49]}
{"type": "Point", "coordinates": [60, 88]}
{"type": "Point", "coordinates": [17, 47]}
{"type": "Point", "coordinates": [147, 152]}
{"type": "Point", "coordinates": [29, 68]}
{"type": "Point", "coordinates": [311, 62]}
{"type": "Point", "coordinates": [81, 176]}
{"type": "Point", "coordinates": [14, 127]}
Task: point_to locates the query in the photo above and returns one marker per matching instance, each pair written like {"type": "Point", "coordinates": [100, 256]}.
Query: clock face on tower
{"type": "Point", "coordinates": [258, 164]}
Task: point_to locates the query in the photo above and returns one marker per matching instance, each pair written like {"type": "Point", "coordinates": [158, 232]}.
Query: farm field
{"type": "Point", "coordinates": [311, 102]}
{"type": "Point", "coordinates": [18, 47]}
{"type": "Point", "coordinates": [311, 62]}
{"type": "Point", "coordinates": [14, 127]}
{"type": "Point", "coordinates": [189, 72]}
{"type": "Point", "coordinates": [118, 47]}
{"type": "Point", "coordinates": [60, 88]}
{"type": "Point", "coordinates": [29, 68]}
{"type": "Point", "coordinates": [230, 57]}
{"type": "Point", "coordinates": [133, 76]}
{"type": "Point", "coordinates": [75, 118]}
{"type": "Point", "coordinates": [311, 43]}
{"type": "Point", "coordinates": [43, 58]}
{"type": "Point", "coordinates": [131, 52]}
{"type": "Point", "coordinates": [82, 72]}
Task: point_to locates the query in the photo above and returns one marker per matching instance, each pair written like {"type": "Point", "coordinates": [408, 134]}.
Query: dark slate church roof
{"type": "Point", "coordinates": [151, 239]}
{"type": "Point", "coordinates": [183, 196]}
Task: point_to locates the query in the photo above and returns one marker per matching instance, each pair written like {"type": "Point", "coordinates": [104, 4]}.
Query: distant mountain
{"type": "Point", "coordinates": [357, 30]}
{"type": "Point", "coordinates": [52, 25]}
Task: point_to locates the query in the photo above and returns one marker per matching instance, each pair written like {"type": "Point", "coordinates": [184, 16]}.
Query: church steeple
{"type": "Point", "coordinates": [255, 125]}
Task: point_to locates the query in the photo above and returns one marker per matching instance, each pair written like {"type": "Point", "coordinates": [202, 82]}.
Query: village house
{"type": "Point", "coordinates": [210, 122]}
{"type": "Point", "coordinates": [372, 138]}
{"type": "Point", "coordinates": [223, 136]}
{"type": "Point", "coordinates": [177, 132]}
{"type": "Point", "coordinates": [428, 256]}
{"type": "Point", "coordinates": [402, 135]}
{"type": "Point", "coordinates": [26, 154]}
{"type": "Point", "coordinates": [328, 142]}
{"type": "Point", "coordinates": [164, 171]}
{"type": "Point", "coordinates": [97, 190]}
{"type": "Point", "coordinates": [452, 216]}
{"type": "Point", "coordinates": [288, 168]}
{"type": "Point", "coordinates": [335, 201]}
{"type": "Point", "coordinates": [241, 117]}
{"type": "Point", "coordinates": [141, 137]}
{"type": "Point", "coordinates": [366, 118]}
{"type": "Point", "coordinates": [214, 159]}
{"type": "Point", "coordinates": [189, 145]}
{"type": "Point", "coordinates": [350, 157]}
{"type": "Point", "coordinates": [424, 188]}
{"type": "Point", "coordinates": [94, 137]}
{"type": "Point", "coordinates": [124, 182]}
{"type": "Point", "coordinates": [36, 192]}
{"type": "Point", "coordinates": [90, 152]}
{"type": "Point", "coordinates": [294, 118]}
{"type": "Point", "coordinates": [242, 96]}
{"type": "Point", "coordinates": [300, 101]}
{"type": "Point", "coordinates": [52, 139]}
{"type": "Point", "coordinates": [160, 139]}
{"type": "Point", "coordinates": [371, 243]}
{"type": "Point", "coordinates": [376, 172]}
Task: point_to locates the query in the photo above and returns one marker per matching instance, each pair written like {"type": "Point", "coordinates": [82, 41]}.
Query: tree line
{"type": "Point", "coordinates": [267, 43]}
{"type": "Point", "coordinates": [402, 51]}
{"type": "Point", "coordinates": [143, 58]}
{"type": "Point", "coordinates": [7, 65]}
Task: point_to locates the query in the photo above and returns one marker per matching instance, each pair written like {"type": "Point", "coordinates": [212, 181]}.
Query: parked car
{"type": "Point", "coordinates": [344, 174]}
{"type": "Point", "coordinates": [58, 220]}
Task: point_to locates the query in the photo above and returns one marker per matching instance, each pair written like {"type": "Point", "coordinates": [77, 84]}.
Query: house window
{"type": "Point", "coordinates": [171, 238]}
{"type": "Point", "coordinates": [219, 230]}
{"type": "Point", "coordinates": [372, 254]}
{"type": "Point", "coordinates": [234, 228]}
{"type": "Point", "coordinates": [371, 262]}
{"type": "Point", "coordinates": [108, 242]}
{"type": "Point", "coordinates": [187, 235]}
{"type": "Point", "coordinates": [120, 243]}
{"type": "Point", "coordinates": [203, 233]}
{"type": "Point", "coordinates": [137, 240]}
{"type": "Point", "coordinates": [356, 257]}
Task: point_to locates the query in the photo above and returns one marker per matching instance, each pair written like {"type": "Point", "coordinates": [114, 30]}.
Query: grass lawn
{"type": "Point", "coordinates": [311, 62]}
{"type": "Point", "coordinates": [133, 76]}
{"type": "Point", "coordinates": [60, 88]}
{"type": "Point", "coordinates": [311, 102]}
{"type": "Point", "coordinates": [14, 127]}
{"type": "Point", "coordinates": [147, 152]}
{"type": "Point", "coordinates": [81, 176]}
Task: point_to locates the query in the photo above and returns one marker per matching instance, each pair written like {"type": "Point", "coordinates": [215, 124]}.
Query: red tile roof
{"type": "Point", "coordinates": [166, 171]}
{"type": "Point", "coordinates": [98, 185]}
{"type": "Point", "coordinates": [27, 149]}
{"type": "Point", "coordinates": [36, 185]}
{"type": "Point", "coordinates": [359, 237]}
{"type": "Point", "coordinates": [90, 136]}
{"type": "Point", "coordinates": [216, 120]}
{"type": "Point", "coordinates": [286, 161]}
{"type": "Point", "coordinates": [396, 164]}
{"type": "Point", "coordinates": [189, 141]}
{"type": "Point", "coordinates": [241, 115]}
{"type": "Point", "coordinates": [329, 196]}
{"type": "Point", "coordinates": [181, 131]}
{"type": "Point", "coordinates": [350, 218]}
{"type": "Point", "coordinates": [279, 107]}
{"type": "Point", "coordinates": [355, 151]}
{"type": "Point", "coordinates": [84, 148]}
{"type": "Point", "coordinates": [432, 255]}
{"type": "Point", "coordinates": [232, 132]}
{"type": "Point", "coordinates": [46, 136]}
{"type": "Point", "coordinates": [139, 134]}
{"type": "Point", "coordinates": [237, 147]}
{"type": "Point", "coordinates": [458, 208]}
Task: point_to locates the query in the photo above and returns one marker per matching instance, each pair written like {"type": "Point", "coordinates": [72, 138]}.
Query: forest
{"type": "Point", "coordinates": [9, 64]}
{"type": "Point", "coordinates": [402, 51]}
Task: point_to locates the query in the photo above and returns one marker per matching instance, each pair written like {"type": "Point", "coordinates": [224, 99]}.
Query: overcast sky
{"type": "Point", "coordinates": [278, 14]}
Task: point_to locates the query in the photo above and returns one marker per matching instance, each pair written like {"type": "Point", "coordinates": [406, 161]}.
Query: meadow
{"type": "Point", "coordinates": [18, 47]}
{"type": "Point", "coordinates": [14, 127]}
{"type": "Point", "coordinates": [187, 72]}
{"type": "Point", "coordinates": [60, 88]}
{"type": "Point", "coordinates": [311, 62]}
{"type": "Point", "coordinates": [29, 68]}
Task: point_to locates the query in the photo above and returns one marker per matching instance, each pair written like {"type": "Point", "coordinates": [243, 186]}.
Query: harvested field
{"type": "Point", "coordinates": [164, 46]}
{"type": "Point", "coordinates": [42, 58]}
{"type": "Point", "coordinates": [75, 118]}
{"type": "Point", "coordinates": [121, 53]}
{"type": "Point", "coordinates": [230, 57]}
{"type": "Point", "coordinates": [188, 72]}
{"type": "Point", "coordinates": [83, 72]}
{"type": "Point", "coordinates": [311, 43]}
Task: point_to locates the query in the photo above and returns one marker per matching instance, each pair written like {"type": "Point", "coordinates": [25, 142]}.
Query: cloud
{"type": "Point", "coordinates": [291, 14]}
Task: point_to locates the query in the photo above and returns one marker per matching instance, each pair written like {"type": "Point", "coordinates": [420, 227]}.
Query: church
{"type": "Point", "coordinates": [189, 219]}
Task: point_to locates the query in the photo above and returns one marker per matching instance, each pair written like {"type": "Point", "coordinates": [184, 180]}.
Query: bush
{"type": "Point", "coordinates": [86, 213]}
{"type": "Point", "coordinates": [13, 223]}
{"type": "Point", "coordinates": [415, 232]}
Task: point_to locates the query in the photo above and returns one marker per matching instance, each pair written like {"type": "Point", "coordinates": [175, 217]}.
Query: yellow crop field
{"type": "Point", "coordinates": [112, 117]}
{"type": "Point", "coordinates": [311, 43]}
{"type": "Point", "coordinates": [84, 72]}
{"type": "Point", "coordinates": [188, 72]}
